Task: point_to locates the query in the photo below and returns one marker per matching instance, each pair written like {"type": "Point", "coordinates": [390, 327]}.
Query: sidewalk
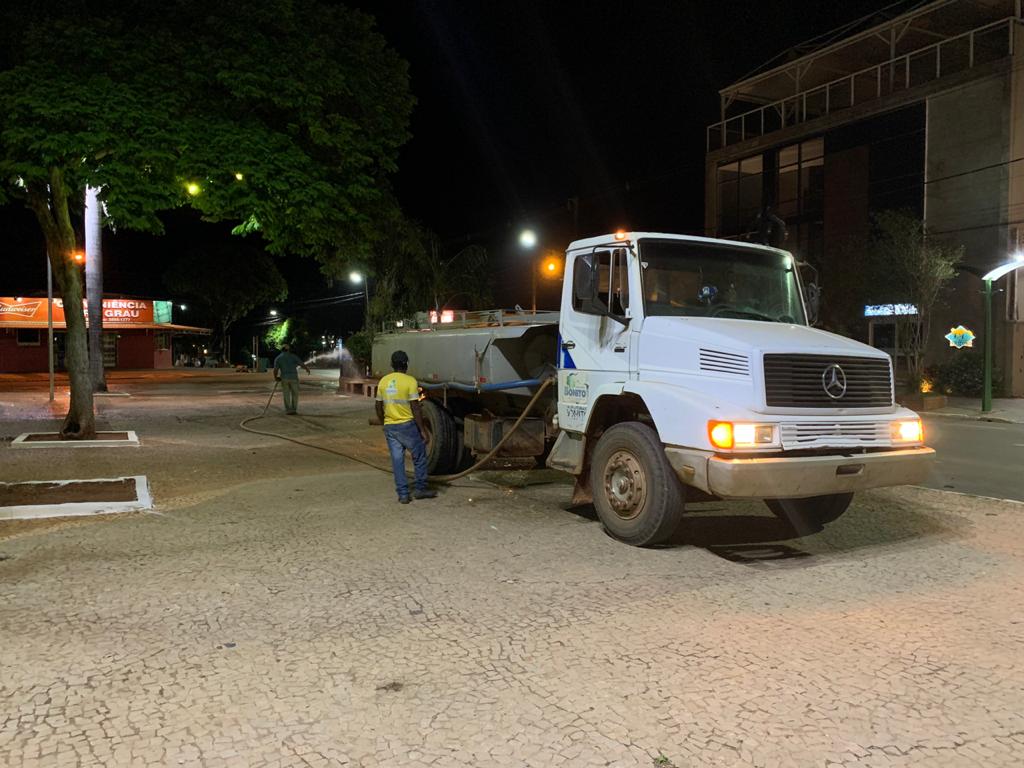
{"type": "Point", "coordinates": [1008, 409]}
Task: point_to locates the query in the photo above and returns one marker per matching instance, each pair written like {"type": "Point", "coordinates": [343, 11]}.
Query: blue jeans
{"type": "Point", "coordinates": [401, 438]}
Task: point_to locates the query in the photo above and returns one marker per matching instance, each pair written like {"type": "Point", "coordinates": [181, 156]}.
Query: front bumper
{"type": "Point", "coordinates": [782, 477]}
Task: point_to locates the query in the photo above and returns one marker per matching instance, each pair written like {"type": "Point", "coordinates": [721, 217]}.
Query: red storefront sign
{"type": "Point", "coordinates": [19, 311]}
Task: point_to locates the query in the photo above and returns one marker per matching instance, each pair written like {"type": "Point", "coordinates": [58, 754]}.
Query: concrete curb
{"type": "Point", "coordinates": [971, 417]}
{"type": "Point", "coordinates": [143, 501]}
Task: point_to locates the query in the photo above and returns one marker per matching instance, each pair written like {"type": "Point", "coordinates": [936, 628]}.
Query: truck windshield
{"type": "Point", "coordinates": [696, 279]}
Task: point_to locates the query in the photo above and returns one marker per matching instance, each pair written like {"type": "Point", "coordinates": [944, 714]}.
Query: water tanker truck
{"type": "Point", "coordinates": [685, 369]}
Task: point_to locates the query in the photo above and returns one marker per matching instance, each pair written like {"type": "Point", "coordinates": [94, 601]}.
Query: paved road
{"type": "Point", "coordinates": [282, 610]}
{"type": "Point", "coordinates": [978, 457]}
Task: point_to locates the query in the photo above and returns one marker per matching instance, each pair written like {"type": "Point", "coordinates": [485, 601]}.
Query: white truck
{"type": "Point", "coordinates": [686, 370]}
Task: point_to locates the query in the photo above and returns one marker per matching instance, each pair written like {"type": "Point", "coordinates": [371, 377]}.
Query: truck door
{"type": "Point", "coordinates": [595, 334]}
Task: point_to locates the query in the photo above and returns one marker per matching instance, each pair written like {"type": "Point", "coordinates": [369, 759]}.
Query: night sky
{"type": "Point", "coordinates": [521, 106]}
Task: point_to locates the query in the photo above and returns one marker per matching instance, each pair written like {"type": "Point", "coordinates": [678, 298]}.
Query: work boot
{"type": "Point", "coordinates": [404, 499]}
{"type": "Point", "coordinates": [427, 494]}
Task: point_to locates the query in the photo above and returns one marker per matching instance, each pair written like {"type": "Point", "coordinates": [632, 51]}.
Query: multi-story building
{"type": "Point", "coordinates": [920, 107]}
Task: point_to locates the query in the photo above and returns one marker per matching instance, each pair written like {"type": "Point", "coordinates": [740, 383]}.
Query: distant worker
{"type": "Point", "coordinates": [399, 410]}
{"type": "Point", "coordinates": [286, 371]}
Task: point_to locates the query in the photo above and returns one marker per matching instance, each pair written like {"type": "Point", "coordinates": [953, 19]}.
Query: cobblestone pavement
{"type": "Point", "coordinates": [282, 610]}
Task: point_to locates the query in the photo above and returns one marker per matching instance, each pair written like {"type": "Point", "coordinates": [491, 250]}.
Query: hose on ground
{"type": "Point", "coordinates": [435, 478]}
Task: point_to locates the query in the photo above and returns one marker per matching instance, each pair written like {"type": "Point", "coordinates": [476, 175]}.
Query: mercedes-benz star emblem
{"type": "Point", "coordinates": [833, 381]}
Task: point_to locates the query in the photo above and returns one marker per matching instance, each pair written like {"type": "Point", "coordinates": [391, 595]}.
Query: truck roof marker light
{"type": "Point", "coordinates": [620, 234]}
{"type": "Point", "coordinates": [720, 434]}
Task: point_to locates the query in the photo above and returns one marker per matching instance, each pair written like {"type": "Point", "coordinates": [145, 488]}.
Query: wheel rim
{"type": "Point", "coordinates": [625, 485]}
{"type": "Point", "coordinates": [428, 437]}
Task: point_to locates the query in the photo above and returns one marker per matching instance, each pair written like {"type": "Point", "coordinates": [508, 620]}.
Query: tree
{"type": "Point", "coordinates": [412, 272]}
{"type": "Point", "coordinates": [294, 331]}
{"type": "Point", "coordinates": [284, 116]}
{"type": "Point", "coordinates": [908, 265]}
{"type": "Point", "coordinates": [228, 283]}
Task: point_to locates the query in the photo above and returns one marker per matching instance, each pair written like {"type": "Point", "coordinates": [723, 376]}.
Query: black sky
{"type": "Point", "coordinates": [521, 106]}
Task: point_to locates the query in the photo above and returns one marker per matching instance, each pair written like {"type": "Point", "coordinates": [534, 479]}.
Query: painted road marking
{"type": "Point", "coordinates": [971, 495]}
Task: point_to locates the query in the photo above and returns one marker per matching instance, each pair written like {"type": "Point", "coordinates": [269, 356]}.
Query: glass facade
{"type": "Point", "coordinates": [791, 180]}
{"type": "Point", "coordinates": [740, 195]}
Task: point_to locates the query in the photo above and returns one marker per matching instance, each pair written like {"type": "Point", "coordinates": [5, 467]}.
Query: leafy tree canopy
{"type": "Point", "coordinates": [229, 281]}
{"type": "Point", "coordinates": [284, 116]}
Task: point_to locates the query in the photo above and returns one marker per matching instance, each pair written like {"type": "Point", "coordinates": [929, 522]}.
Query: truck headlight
{"type": "Point", "coordinates": [728, 435]}
{"type": "Point", "coordinates": [906, 431]}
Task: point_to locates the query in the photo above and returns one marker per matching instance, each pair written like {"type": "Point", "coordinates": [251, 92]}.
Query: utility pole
{"type": "Point", "coordinates": [49, 320]}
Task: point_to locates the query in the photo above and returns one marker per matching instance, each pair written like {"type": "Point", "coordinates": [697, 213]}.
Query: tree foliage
{"type": "Point", "coordinates": [413, 272]}
{"type": "Point", "coordinates": [907, 265]}
{"type": "Point", "coordinates": [228, 282]}
{"type": "Point", "coordinates": [283, 116]}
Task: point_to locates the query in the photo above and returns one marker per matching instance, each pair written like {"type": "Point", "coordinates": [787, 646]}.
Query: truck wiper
{"type": "Point", "coordinates": [758, 315]}
{"type": "Point", "coordinates": [723, 308]}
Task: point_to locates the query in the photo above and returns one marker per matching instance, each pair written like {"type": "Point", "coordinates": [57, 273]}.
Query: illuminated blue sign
{"type": "Point", "coordinates": [889, 310]}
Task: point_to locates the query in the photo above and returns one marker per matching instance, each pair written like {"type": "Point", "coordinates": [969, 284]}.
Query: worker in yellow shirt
{"type": "Point", "coordinates": [398, 408]}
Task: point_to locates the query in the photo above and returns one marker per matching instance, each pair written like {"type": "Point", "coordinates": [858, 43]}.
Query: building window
{"type": "Point", "coordinates": [29, 337]}
{"type": "Point", "coordinates": [740, 195]}
{"type": "Point", "coordinates": [800, 185]}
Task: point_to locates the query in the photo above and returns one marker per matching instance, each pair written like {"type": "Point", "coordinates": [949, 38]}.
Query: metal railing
{"type": "Point", "coordinates": [459, 318]}
{"type": "Point", "coordinates": [956, 54]}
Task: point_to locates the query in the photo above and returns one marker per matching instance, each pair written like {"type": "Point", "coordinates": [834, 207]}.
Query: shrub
{"type": "Point", "coordinates": [964, 374]}
{"type": "Point", "coordinates": [360, 345]}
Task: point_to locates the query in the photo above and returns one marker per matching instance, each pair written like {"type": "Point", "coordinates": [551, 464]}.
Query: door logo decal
{"type": "Point", "coordinates": [576, 388]}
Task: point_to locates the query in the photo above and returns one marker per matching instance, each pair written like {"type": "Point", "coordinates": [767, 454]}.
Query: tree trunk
{"type": "Point", "coordinates": [50, 205]}
{"type": "Point", "coordinates": [94, 286]}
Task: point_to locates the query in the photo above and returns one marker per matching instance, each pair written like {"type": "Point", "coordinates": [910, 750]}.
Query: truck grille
{"type": "Point", "coordinates": [800, 381]}
{"type": "Point", "coordinates": [825, 435]}
{"type": "Point", "coordinates": [713, 361]}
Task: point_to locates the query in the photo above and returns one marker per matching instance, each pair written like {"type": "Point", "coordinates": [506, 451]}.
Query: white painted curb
{"type": "Point", "coordinates": [22, 441]}
{"type": "Point", "coordinates": [144, 500]}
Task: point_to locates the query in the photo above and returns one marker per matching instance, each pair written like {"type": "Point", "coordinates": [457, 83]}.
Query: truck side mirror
{"type": "Point", "coordinates": [812, 300]}
{"type": "Point", "coordinates": [812, 293]}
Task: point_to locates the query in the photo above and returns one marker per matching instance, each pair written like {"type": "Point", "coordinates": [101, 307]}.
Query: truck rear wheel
{"type": "Point", "coordinates": [442, 438]}
{"type": "Point", "coordinates": [812, 512]}
{"type": "Point", "coordinates": [636, 493]}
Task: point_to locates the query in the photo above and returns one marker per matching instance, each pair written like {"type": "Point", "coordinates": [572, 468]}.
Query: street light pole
{"type": "Point", "coordinates": [1003, 269]}
{"type": "Point", "coordinates": [49, 320]}
{"type": "Point", "coordinates": [533, 285]}
{"type": "Point", "coordinates": [986, 394]}
{"type": "Point", "coordinates": [528, 241]}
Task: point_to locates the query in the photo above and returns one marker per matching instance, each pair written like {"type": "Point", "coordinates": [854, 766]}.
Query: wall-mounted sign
{"type": "Point", "coordinates": [960, 337]}
{"type": "Point", "coordinates": [889, 310]}
{"type": "Point", "coordinates": [115, 311]}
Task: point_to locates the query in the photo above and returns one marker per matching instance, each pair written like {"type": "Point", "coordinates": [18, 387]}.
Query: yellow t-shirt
{"type": "Point", "coordinates": [396, 391]}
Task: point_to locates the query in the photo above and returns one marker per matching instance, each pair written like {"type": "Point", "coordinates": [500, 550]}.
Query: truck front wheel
{"type": "Point", "coordinates": [637, 495]}
{"type": "Point", "coordinates": [813, 512]}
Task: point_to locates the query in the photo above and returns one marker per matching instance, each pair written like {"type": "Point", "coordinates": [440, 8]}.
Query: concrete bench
{"type": "Point", "coordinates": [353, 386]}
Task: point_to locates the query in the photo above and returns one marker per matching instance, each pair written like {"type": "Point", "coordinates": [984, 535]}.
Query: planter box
{"type": "Point", "coordinates": [923, 402]}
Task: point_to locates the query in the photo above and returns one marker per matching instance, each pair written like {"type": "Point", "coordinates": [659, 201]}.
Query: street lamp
{"type": "Point", "coordinates": [528, 241]}
{"type": "Point", "coordinates": [273, 313]}
{"type": "Point", "coordinates": [1003, 269]}
{"type": "Point", "coordinates": [356, 278]}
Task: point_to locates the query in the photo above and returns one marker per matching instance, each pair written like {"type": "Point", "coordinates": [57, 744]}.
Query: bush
{"type": "Point", "coordinates": [360, 345]}
{"type": "Point", "coordinates": [964, 374]}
